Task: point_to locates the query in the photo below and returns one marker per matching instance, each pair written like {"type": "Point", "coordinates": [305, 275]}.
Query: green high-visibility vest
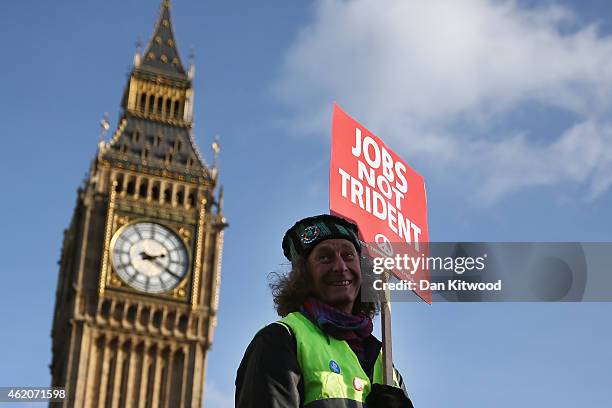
{"type": "Point", "coordinates": [331, 372]}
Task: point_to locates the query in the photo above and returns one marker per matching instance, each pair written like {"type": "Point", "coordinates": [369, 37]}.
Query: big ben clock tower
{"type": "Point", "coordinates": [139, 275]}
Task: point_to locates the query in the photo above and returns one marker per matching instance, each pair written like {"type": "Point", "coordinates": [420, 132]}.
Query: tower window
{"type": "Point", "coordinates": [155, 191]}
{"type": "Point", "coordinates": [164, 379]}
{"type": "Point", "coordinates": [124, 375]}
{"type": "Point", "coordinates": [111, 376]}
{"type": "Point", "coordinates": [183, 323]}
{"type": "Point", "coordinates": [179, 197]}
{"type": "Point", "coordinates": [177, 378]}
{"type": "Point", "coordinates": [144, 316]}
{"type": "Point", "coordinates": [118, 311]}
{"type": "Point", "coordinates": [191, 199]}
{"type": "Point", "coordinates": [168, 107]}
{"type": "Point", "coordinates": [143, 102]}
{"type": "Point", "coordinates": [177, 108]}
{"type": "Point", "coordinates": [131, 314]}
{"type": "Point", "coordinates": [151, 103]}
{"type": "Point", "coordinates": [160, 105]}
{"type": "Point", "coordinates": [167, 195]}
{"type": "Point", "coordinates": [157, 319]}
{"type": "Point", "coordinates": [131, 187]}
{"type": "Point", "coordinates": [105, 310]}
{"type": "Point", "coordinates": [143, 189]}
{"type": "Point", "coordinates": [170, 320]}
{"type": "Point", "coordinates": [119, 186]}
{"type": "Point", "coordinates": [150, 381]}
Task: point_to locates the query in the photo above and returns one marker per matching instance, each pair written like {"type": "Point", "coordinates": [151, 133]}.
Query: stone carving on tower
{"type": "Point", "coordinates": [138, 284]}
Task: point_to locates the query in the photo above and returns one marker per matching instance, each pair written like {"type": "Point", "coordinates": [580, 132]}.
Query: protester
{"type": "Point", "coordinates": [322, 353]}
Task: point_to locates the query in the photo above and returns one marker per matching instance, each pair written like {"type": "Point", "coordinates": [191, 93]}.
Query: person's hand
{"type": "Point", "coordinates": [387, 396]}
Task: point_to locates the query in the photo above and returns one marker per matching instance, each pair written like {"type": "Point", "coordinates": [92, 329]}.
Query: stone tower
{"type": "Point", "coordinates": [139, 276]}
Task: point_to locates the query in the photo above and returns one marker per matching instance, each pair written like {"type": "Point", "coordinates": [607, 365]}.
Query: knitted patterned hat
{"type": "Point", "coordinates": [305, 234]}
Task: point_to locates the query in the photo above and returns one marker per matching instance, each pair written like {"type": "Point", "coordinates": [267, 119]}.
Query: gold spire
{"type": "Point", "coordinates": [161, 54]}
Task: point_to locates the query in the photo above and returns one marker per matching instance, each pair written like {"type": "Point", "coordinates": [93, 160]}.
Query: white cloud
{"type": "Point", "coordinates": [437, 79]}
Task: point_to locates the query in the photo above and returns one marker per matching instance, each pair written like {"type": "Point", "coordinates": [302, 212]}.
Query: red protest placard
{"type": "Point", "coordinates": [372, 186]}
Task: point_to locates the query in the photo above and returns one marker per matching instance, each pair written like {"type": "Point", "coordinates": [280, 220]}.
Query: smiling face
{"type": "Point", "coordinates": [336, 273]}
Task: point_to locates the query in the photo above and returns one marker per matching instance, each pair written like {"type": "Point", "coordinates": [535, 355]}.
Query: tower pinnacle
{"type": "Point", "coordinates": [161, 54]}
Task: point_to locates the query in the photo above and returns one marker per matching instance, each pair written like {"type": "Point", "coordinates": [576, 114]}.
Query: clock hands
{"type": "Point", "coordinates": [164, 267]}
{"type": "Point", "coordinates": [147, 257]}
{"type": "Point", "coordinates": [156, 260]}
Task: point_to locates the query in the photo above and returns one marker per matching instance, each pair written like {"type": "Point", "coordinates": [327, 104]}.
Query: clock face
{"type": "Point", "coordinates": [149, 257]}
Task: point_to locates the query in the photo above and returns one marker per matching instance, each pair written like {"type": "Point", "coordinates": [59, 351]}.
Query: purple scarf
{"type": "Point", "coordinates": [343, 326]}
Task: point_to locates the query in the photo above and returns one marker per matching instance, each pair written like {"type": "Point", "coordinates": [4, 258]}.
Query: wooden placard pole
{"type": "Point", "coordinates": [387, 349]}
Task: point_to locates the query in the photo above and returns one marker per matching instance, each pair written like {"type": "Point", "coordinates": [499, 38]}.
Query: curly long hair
{"type": "Point", "coordinates": [291, 289]}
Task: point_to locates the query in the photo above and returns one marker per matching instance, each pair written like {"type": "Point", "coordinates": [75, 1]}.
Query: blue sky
{"type": "Point", "coordinates": [503, 107]}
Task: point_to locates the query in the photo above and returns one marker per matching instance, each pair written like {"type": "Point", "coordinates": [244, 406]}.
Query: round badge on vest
{"type": "Point", "coordinates": [334, 366]}
{"type": "Point", "coordinates": [358, 384]}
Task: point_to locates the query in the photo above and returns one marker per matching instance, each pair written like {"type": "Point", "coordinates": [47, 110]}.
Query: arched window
{"type": "Point", "coordinates": [131, 314]}
{"type": "Point", "coordinates": [118, 312]}
{"type": "Point", "coordinates": [150, 379]}
{"type": "Point", "coordinates": [143, 102]}
{"type": "Point", "coordinates": [170, 320]}
{"type": "Point", "coordinates": [119, 185]}
{"type": "Point", "coordinates": [164, 375]}
{"type": "Point", "coordinates": [124, 373]}
{"type": "Point", "coordinates": [112, 366]}
{"type": "Point", "coordinates": [131, 188]}
{"type": "Point", "coordinates": [155, 191]}
{"type": "Point", "coordinates": [105, 310]}
{"type": "Point", "coordinates": [176, 380]}
{"type": "Point", "coordinates": [157, 319]}
{"type": "Point", "coordinates": [168, 107]}
{"type": "Point", "coordinates": [142, 192]}
{"type": "Point", "coordinates": [144, 316]}
{"type": "Point", "coordinates": [179, 197]}
{"type": "Point", "coordinates": [160, 105]}
{"type": "Point", "coordinates": [183, 323]}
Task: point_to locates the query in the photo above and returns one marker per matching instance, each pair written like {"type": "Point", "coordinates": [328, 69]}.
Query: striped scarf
{"type": "Point", "coordinates": [343, 326]}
